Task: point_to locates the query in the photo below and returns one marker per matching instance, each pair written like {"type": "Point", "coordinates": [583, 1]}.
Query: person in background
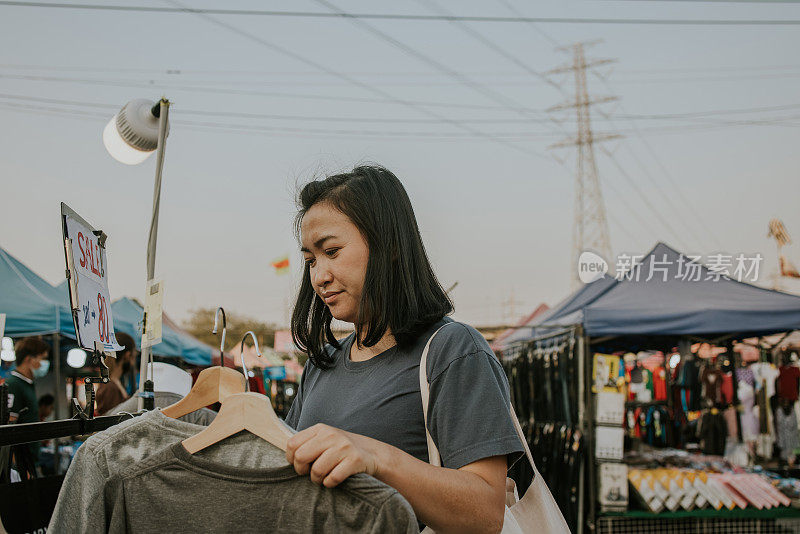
{"type": "Point", "coordinates": [47, 403]}
{"type": "Point", "coordinates": [113, 393]}
{"type": "Point", "coordinates": [32, 363]}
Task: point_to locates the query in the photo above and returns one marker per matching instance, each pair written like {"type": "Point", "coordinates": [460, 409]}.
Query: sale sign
{"type": "Point", "coordinates": [88, 281]}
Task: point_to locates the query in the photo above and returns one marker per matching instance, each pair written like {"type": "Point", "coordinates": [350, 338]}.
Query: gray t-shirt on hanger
{"type": "Point", "coordinates": [468, 411]}
{"type": "Point", "coordinates": [177, 492]}
{"type": "Point", "coordinates": [80, 507]}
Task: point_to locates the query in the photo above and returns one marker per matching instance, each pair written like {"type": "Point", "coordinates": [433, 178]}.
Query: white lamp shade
{"type": "Point", "coordinates": [7, 353]}
{"type": "Point", "coordinates": [76, 358]}
{"type": "Point", "coordinates": [118, 148]}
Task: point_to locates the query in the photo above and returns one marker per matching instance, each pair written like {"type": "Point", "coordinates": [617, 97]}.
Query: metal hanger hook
{"type": "Point", "coordinates": [241, 354]}
{"type": "Point", "coordinates": [224, 329]}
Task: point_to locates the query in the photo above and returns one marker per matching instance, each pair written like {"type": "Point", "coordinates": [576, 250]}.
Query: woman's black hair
{"type": "Point", "coordinates": [401, 292]}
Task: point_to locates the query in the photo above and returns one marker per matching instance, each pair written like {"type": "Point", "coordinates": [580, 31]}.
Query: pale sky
{"type": "Point", "coordinates": [497, 220]}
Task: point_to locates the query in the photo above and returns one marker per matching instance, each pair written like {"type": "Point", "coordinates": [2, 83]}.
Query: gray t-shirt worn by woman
{"type": "Point", "coordinates": [468, 415]}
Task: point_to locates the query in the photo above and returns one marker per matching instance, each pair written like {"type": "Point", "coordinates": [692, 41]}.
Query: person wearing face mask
{"type": "Point", "coordinates": [31, 363]}
{"type": "Point", "coordinates": [112, 393]}
{"type": "Point", "coordinates": [359, 408]}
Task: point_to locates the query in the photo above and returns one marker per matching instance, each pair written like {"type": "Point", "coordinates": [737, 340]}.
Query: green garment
{"type": "Point", "coordinates": [21, 395]}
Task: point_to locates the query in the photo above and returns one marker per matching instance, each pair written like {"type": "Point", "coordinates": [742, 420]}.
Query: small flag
{"type": "Point", "coordinates": [281, 265]}
{"type": "Point", "coordinates": [778, 231]}
{"type": "Point", "coordinates": [788, 268]}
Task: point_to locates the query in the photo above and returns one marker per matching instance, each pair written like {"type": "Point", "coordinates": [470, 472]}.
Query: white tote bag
{"type": "Point", "coordinates": [537, 510]}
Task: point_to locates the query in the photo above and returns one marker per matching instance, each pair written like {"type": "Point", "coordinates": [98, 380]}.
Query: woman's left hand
{"type": "Point", "coordinates": [330, 455]}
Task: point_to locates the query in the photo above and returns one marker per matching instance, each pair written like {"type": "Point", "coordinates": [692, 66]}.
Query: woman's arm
{"type": "Point", "coordinates": [469, 499]}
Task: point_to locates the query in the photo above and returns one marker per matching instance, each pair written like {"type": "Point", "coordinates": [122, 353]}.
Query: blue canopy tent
{"type": "Point", "coordinates": [175, 342]}
{"type": "Point", "coordinates": [32, 306]}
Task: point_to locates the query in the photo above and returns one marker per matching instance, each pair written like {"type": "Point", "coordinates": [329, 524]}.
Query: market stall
{"type": "Point", "coordinates": [651, 312]}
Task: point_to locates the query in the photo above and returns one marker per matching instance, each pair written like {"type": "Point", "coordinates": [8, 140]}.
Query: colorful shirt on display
{"type": "Point", "coordinates": [788, 378]}
{"type": "Point", "coordinates": [660, 384]}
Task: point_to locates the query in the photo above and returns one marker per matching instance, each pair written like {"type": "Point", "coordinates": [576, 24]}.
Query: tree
{"type": "Point", "coordinates": [201, 323]}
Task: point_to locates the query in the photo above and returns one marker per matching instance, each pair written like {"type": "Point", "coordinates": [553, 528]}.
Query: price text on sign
{"type": "Point", "coordinates": [94, 321]}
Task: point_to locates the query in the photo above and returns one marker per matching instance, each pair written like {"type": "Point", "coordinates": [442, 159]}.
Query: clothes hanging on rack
{"type": "Point", "coordinates": [687, 382]}
{"type": "Point", "coordinates": [765, 375]}
{"type": "Point", "coordinates": [786, 428]}
{"type": "Point", "coordinates": [657, 420]}
{"type": "Point", "coordinates": [543, 376]}
{"type": "Point", "coordinates": [788, 380]}
{"type": "Point", "coordinates": [749, 418]}
{"type": "Point", "coordinates": [274, 498]}
{"type": "Point", "coordinates": [745, 374]}
{"type": "Point", "coordinates": [712, 381]}
{"type": "Point", "coordinates": [104, 455]}
{"type": "Point", "coordinates": [101, 491]}
{"type": "Point", "coordinates": [713, 432]}
{"type": "Point", "coordinates": [660, 384]}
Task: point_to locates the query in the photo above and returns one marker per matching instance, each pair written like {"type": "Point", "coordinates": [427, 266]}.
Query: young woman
{"type": "Point", "coordinates": [359, 409]}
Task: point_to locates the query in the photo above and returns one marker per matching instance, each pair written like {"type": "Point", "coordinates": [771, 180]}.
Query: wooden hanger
{"type": "Point", "coordinates": [243, 411]}
{"type": "Point", "coordinates": [214, 384]}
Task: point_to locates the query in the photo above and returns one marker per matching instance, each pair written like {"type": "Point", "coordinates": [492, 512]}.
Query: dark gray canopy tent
{"type": "Point", "coordinates": [662, 298]}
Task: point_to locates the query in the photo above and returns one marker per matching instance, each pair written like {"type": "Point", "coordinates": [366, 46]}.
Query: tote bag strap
{"type": "Point", "coordinates": [433, 453]}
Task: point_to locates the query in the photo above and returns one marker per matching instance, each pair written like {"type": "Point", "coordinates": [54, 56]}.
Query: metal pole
{"type": "Point", "coordinates": [59, 388]}
{"type": "Point", "coordinates": [151, 241]}
{"type": "Point", "coordinates": [581, 352]}
{"type": "Point", "coordinates": [591, 465]}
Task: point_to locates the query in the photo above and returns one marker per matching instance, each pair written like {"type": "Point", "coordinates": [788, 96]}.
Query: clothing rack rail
{"type": "Point", "coordinates": [17, 434]}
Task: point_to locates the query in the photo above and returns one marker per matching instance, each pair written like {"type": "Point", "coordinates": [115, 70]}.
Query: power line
{"type": "Point", "coordinates": [244, 92]}
{"type": "Point", "coordinates": [666, 197]}
{"type": "Point", "coordinates": [435, 64]}
{"type": "Point", "coordinates": [493, 46]}
{"type": "Point", "coordinates": [536, 28]}
{"type": "Point", "coordinates": [398, 120]}
{"type": "Point", "coordinates": [360, 84]}
{"type": "Point", "coordinates": [685, 201]}
{"type": "Point", "coordinates": [288, 129]}
{"type": "Point", "coordinates": [181, 71]}
{"type": "Point", "coordinates": [422, 82]}
{"type": "Point", "coordinates": [389, 16]}
{"type": "Point", "coordinates": [639, 192]}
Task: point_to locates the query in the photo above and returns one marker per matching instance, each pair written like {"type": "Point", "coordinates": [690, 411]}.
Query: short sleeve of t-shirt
{"type": "Point", "coordinates": [468, 410]}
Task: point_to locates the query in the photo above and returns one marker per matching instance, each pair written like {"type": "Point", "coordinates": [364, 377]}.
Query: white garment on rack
{"type": "Point", "coordinates": [749, 417]}
{"type": "Point", "coordinates": [765, 375]}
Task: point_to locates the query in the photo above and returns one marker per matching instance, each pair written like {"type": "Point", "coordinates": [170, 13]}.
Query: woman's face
{"type": "Point", "coordinates": [336, 254]}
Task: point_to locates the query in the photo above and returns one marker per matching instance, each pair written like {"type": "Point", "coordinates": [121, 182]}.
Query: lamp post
{"type": "Point", "coordinates": [138, 129]}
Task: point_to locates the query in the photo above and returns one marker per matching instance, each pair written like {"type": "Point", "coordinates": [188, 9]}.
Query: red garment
{"type": "Point", "coordinates": [727, 387]}
{"type": "Point", "coordinates": [660, 384]}
{"type": "Point", "coordinates": [787, 382]}
{"type": "Point", "coordinates": [631, 394]}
